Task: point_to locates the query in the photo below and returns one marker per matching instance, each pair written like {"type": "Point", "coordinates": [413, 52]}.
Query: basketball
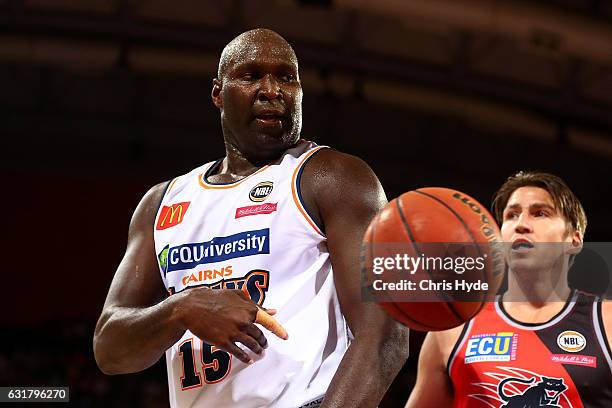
{"type": "Point", "coordinates": [432, 258]}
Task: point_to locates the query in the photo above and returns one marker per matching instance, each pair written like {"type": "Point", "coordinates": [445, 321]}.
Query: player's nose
{"type": "Point", "coordinates": [269, 88]}
{"type": "Point", "coordinates": [523, 226]}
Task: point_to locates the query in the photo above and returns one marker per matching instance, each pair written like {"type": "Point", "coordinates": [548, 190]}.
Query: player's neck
{"type": "Point", "coordinates": [536, 297]}
{"type": "Point", "coordinates": [234, 167]}
{"type": "Point", "coordinates": [537, 288]}
{"type": "Point", "coordinates": [238, 164]}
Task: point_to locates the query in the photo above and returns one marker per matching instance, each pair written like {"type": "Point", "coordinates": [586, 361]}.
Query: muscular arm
{"type": "Point", "coordinates": [606, 316]}
{"type": "Point", "coordinates": [136, 326]}
{"type": "Point", "coordinates": [343, 195]}
{"type": "Point", "coordinates": [433, 388]}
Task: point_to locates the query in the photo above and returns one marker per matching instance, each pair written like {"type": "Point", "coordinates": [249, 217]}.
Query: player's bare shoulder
{"type": "Point", "coordinates": [606, 316]}
{"type": "Point", "coordinates": [145, 213]}
{"type": "Point", "coordinates": [156, 192]}
{"type": "Point", "coordinates": [438, 347]}
{"type": "Point", "coordinates": [446, 341]}
{"type": "Point", "coordinates": [333, 177]}
{"type": "Point", "coordinates": [328, 165]}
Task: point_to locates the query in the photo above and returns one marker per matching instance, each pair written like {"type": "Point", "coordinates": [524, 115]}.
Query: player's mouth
{"type": "Point", "coordinates": [521, 244]}
{"type": "Point", "coordinates": [269, 119]}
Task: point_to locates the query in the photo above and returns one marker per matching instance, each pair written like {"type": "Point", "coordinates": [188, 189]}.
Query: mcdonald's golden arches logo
{"type": "Point", "coordinates": [172, 215]}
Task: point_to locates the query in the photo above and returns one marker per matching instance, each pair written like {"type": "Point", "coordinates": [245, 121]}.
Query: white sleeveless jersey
{"type": "Point", "coordinates": [253, 235]}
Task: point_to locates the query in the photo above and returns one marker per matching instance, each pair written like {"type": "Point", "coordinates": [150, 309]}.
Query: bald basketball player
{"type": "Point", "coordinates": [274, 225]}
{"type": "Point", "coordinates": [541, 344]}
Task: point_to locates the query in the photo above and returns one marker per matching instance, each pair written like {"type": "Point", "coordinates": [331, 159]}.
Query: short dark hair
{"type": "Point", "coordinates": [564, 199]}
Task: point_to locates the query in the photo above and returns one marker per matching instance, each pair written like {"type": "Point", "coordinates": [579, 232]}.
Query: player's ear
{"type": "Point", "coordinates": [576, 242]}
{"type": "Point", "coordinates": [215, 93]}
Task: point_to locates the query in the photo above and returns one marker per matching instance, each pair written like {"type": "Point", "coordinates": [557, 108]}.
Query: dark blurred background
{"type": "Point", "coordinates": [101, 99]}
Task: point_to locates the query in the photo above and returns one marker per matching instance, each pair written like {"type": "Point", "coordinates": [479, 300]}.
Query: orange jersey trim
{"type": "Point", "coordinates": [296, 199]}
{"type": "Point", "coordinates": [171, 185]}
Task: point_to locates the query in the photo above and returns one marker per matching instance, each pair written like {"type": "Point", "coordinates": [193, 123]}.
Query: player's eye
{"type": "Point", "coordinates": [287, 78]}
{"type": "Point", "coordinates": [249, 76]}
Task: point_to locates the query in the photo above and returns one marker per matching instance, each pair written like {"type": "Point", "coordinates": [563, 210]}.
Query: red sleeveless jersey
{"type": "Point", "coordinates": [565, 362]}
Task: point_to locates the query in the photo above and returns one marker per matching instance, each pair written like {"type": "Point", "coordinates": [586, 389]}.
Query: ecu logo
{"type": "Point", "coordinates": [261, 191]}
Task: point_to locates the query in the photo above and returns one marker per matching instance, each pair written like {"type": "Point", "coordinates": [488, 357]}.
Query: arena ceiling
{"type": "Point", "coordinates": [540, 69]}
{"type": "Point", "coordinates": [551, 59]}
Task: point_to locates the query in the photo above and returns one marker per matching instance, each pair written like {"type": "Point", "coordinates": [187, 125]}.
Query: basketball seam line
{"type": "Point", "coordinates": [484, 277]}
{"type": "Point", "coordinates": [391, 303]}
{"type": "Point", "coordinates": [414, 244]}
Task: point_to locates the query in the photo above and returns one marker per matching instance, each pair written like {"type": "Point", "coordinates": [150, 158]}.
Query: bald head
{"type": "Point", "coordinates": [248, 44]}
{"type": "Point", "coordinates": [259, 95]}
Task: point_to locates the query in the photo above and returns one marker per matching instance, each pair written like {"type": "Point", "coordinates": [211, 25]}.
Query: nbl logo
{"type": "Point", "coordinates": [571, 341]}
{"type": "Point", "coordinates": [261, 191]}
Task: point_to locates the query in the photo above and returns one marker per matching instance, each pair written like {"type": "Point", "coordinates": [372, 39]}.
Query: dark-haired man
{"type": "Point", "coordinates": [276, 223]}
{"type": "Point", "coordinates": [541, 344]}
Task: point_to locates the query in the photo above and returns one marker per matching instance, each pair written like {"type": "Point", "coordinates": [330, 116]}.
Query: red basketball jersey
{"type": "Point", "coordinates": [565, 362]}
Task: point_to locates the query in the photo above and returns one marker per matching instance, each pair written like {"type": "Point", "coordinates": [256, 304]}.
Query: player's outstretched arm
{"type": "Point", "coordinates": [343, 195]}
{"type": "Point", "coordinates": [138, 322]}
{"type": "Point", "coordinates": [433, 388]}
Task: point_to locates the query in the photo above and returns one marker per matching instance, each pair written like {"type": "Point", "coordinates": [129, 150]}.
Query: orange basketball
{"type": "Point", "coordinates": [432, 258]}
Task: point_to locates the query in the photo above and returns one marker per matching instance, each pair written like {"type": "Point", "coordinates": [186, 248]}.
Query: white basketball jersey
{"type": "Point", "coordinates": [253, 235]}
